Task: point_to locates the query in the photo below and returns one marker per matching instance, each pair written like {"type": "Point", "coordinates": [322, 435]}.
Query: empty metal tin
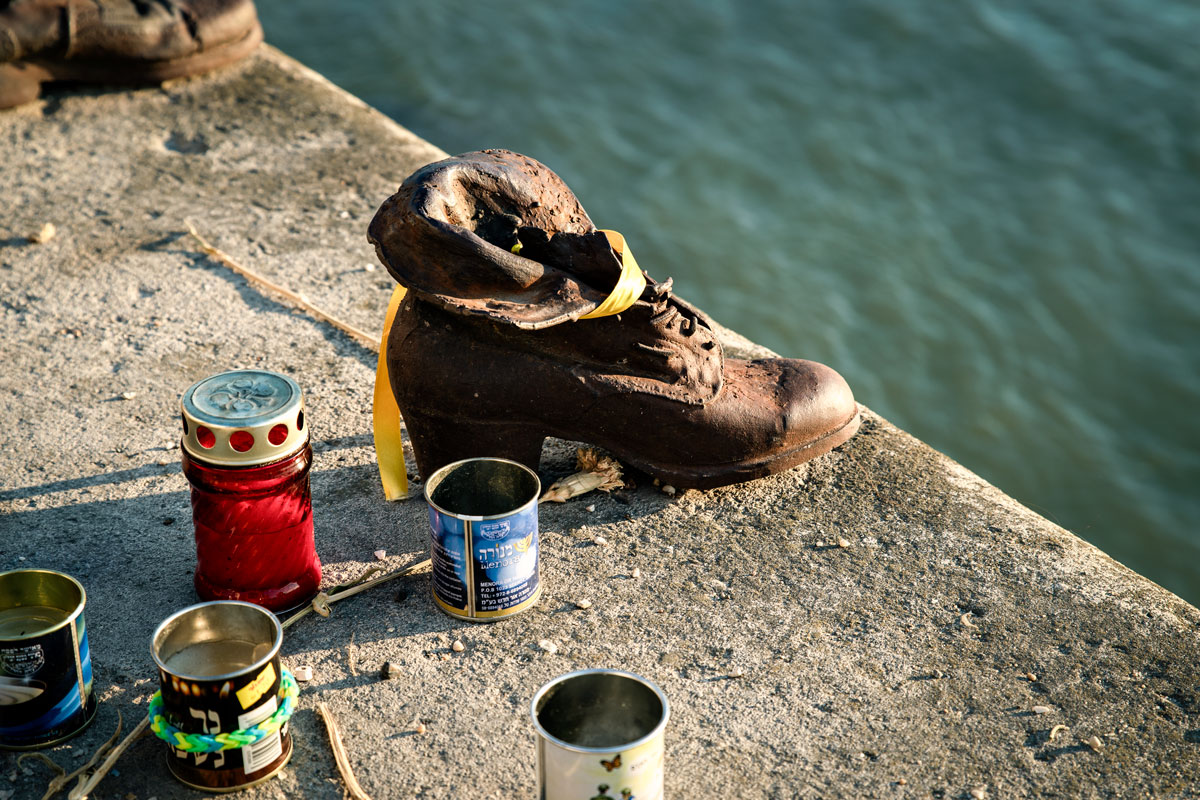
{"type": "Point", "coordinates": [45, 663]}
{"type": "Point", "coordinates": [600, 734]}
{"type": "Point", "coordinates": [483, 522]}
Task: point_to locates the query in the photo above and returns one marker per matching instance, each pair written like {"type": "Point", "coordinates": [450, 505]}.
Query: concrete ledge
{"type": "Point", "coordinates": [896, 618]}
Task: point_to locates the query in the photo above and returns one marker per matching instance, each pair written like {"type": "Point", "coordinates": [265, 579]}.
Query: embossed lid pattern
{"type": "Point", "coordinates": [243, 417]}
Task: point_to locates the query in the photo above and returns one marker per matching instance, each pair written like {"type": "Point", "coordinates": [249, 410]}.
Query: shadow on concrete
{"type": "Point", "coordinates": [256, 297]}
{"type": "Point", "coordinates": [151, 470]}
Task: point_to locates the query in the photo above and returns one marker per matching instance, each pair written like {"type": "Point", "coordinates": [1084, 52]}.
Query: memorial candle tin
{"type": "Point", "coordinates": [483, 521]}
{"type": "Point", "coordinates": [246, 454]}
{"type": "Point", "coordinates": [45, 663]}
{"type": "Point", "coordinates": [219, 672]}
{"type": "Point", "coordinates": [599, 734]}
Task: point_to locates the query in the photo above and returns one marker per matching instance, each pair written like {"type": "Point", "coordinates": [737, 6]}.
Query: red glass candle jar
{"type": "Point", "coordinates": [246, 454]}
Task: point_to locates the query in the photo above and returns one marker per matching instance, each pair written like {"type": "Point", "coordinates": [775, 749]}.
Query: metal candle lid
{"type": "Point", "coordinates": [243, 417]}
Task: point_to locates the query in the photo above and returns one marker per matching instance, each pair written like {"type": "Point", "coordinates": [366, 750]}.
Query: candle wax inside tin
{"type": "Point", "coordinates": [28, 620]}
{"type": "Point", "coordinates": [208, 659]}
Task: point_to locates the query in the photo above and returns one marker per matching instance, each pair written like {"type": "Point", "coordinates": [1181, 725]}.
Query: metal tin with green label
{"type": "Point", "coordinates": [219, 671]}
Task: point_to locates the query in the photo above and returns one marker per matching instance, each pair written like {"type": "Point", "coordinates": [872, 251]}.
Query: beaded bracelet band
{"type": "Point", "coordinates": [215, 742]}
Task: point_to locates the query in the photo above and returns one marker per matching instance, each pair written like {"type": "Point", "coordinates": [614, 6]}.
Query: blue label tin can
{"type": "Point", "coordinates": [45, 663]}
{"type": "Point", "coordinates": [484, 538]}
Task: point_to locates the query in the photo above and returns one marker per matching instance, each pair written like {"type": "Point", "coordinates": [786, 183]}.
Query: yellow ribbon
{"type": "Point", "coordinates": [389, 449]}
{"type": "Point", "coordinates": [629, 286]}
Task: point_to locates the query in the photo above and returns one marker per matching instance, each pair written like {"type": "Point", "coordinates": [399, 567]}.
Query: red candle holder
{"type": "Point", "coordinates": [246, 454]}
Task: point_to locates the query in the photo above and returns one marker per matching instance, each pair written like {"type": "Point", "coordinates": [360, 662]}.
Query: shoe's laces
{"type": "Point", "coordinates": [667, 310]}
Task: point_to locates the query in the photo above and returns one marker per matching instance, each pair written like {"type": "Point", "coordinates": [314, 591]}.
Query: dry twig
{"type": "Point", "coordinates": [339, 754]}
{"type": "Point", "coordinates": [365, 339]}
{"type": "Point", "coordinates": [88, 783]}
{"type": "Point", "coordinates": [321, 602]}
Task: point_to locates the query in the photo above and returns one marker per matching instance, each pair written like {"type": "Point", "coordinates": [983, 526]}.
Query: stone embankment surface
{"type": "Point", "coordinates": [879, 623]}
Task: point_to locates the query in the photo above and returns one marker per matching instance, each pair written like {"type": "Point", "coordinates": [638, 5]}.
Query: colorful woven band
{"type": "Point", "coordinates": [215, 742]}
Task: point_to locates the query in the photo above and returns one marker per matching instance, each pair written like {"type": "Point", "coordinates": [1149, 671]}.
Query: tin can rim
{"type": "Point", "coordinates": [259, 664]}
{"type": "Point", "coordinates": [651, 685]}
{"type": "Point", "coordinates": [71, 617]}
{"type": "Point", "coordinates": [436, 478]}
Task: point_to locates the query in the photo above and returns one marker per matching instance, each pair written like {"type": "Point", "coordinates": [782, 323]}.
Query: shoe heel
{"type": "Point", "coordinates": [438, 441]}
{"type": "Point", "coordinates": [20, 83]}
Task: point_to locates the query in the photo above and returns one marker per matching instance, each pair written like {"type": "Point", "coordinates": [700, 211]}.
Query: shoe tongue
{"type": "Point", "coordinates": [587, 257]}
{"type": "Point", "coordinates": [449, 234]}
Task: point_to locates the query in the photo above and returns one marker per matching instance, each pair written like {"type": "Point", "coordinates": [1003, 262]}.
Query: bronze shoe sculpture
{"type": "Point", "coordinates": [488, 353]}
{"type": "Point", "coordinates": [117, 41]}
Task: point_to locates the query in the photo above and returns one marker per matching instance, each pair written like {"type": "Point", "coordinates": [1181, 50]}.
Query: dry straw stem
{"type": "Point", "coordinates": [89, 782]}
{"type": "Point", "coordinates": [321, 602]}
{"type": "Point", "coordinates": [60, 782]}
{"type": "Point", "coordinates": [366, 340]}
{"type": "Point", "coordinates": [596, 472]}
{"type": "Point", "coordinates": [339, 754]}
{"type": "Point", "coordinates": [84, 788]}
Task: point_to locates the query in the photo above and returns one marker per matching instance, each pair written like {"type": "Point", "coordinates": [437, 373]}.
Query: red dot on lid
{"type": "Point", "coordinates": [241, 441]}
{"type": "Point", "coordinates": [205, 437]}
{"type": "Point", "coordinates": [278, 434]}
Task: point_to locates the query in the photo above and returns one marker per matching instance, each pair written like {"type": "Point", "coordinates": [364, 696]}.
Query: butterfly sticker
{"type": "Point", "coordinates": [609, 766]}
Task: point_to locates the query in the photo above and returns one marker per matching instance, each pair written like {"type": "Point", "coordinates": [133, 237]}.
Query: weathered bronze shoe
{"type": "Point", "coordinates": [488, 354]}
{"type": "Point", "coordinates": [117, 41]}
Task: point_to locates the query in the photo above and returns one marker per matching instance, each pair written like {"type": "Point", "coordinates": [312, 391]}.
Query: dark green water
{"type": "Point", "coordinates": [986, 215]}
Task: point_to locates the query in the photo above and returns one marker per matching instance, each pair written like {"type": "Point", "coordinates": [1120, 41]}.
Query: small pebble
{"type": "Point", "coordinates": [843, 543]}
{"type": "Point", "coordinates": [979, 793]}
{"type": "Point", "coordinates": [902, 781]}
{"type": "Point", "coordinates": [389, 670]}
{"type": "Point", "coordinates": [584, 604]}
{"type": "Point", "coordinates": [45, 234]}
{"type": "Point", "coordinates": [590, 508]}
{"type": "Point", "coordinates": [458, 646]}
{"type": "Point", "coordinates": [937, 673]}
{"type": "Point", "coordinates": [737, 672]}
{"type": "Point", "coordinates": [391, 630]}
{"type": "Point", "coordinates": [128, 395]}
{"type": "Point", "coordinates": [344, 214]}
{"type": "Point", "coordinates": [600, 540]}
{"type": "Point", "coordinates": [549, 646]}
{"type": "Point", "coordinates": [369, 268]}
{"type": "Point", "coordinates": [1094, 743]}
{"type": "Point", "coordinates": [20, 558]}
{"type": "Point", "coordinates": [637, 573]}
{"type": "Point", "coordinates": [380, 554]}
{"type": "Point", "coordinates": [668, 490]}
{"type": "Point", "coordinates": [1043, 710]}
{"type": "Point", "coordinates": [1029, 676]}
{"type": "Point", "coordinates": [302, 674]}
{"type": "Point", "coordinates": [420, 727]}
{"type": "Point", "coordinates": [445, 657]}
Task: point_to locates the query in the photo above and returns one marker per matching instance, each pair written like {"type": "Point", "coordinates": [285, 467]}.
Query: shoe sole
{"type": "Point", "coordinates": [21, 81]}
{"type": "Point", "coordinates": [439, 440]}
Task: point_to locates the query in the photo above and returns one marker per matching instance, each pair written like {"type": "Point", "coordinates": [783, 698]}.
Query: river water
{"type": "Point", "coordinates": [985, 214]}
